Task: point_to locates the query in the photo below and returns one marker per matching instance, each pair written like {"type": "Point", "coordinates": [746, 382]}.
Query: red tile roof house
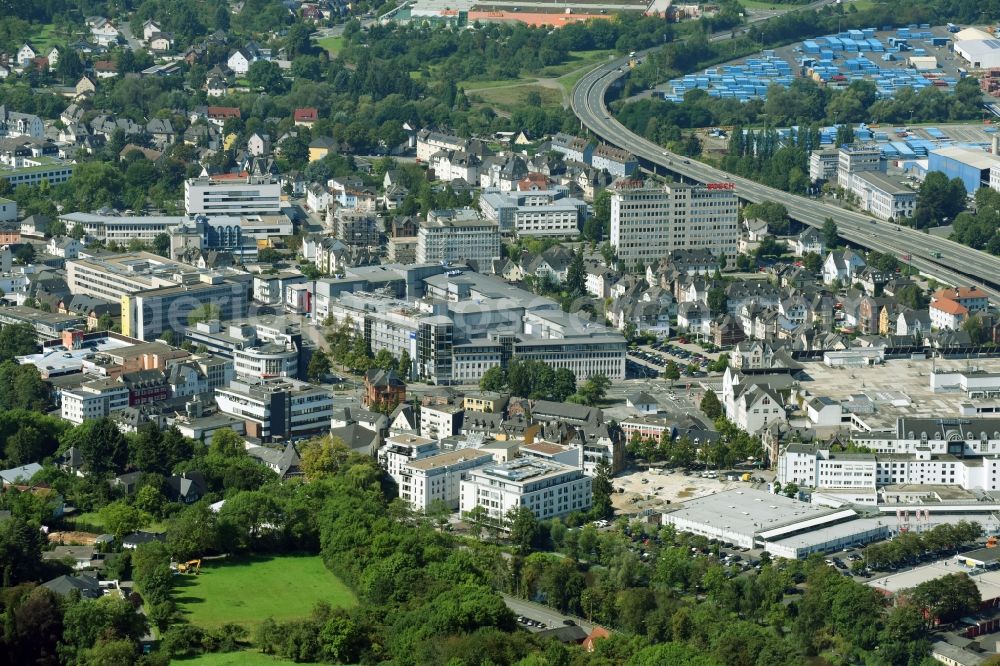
{"type": "Point", "coordinates": [306, 116]}
{"type": "Point", "coordinates": [222, 112]}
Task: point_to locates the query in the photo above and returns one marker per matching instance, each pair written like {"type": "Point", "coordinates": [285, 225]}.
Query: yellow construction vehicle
{"type": "Point", "coordinates": [191, 566]}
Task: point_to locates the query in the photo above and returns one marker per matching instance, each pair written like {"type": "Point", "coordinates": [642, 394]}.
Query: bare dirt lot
{"type": "Point", "coordinates": [73, 538]}
{"type": "Point", "coordinates": [666, 487]}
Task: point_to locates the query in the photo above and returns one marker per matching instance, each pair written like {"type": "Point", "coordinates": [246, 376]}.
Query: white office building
{"type": "Point", "coordinates": [534, 212]}
{"type": "Point", "coordinates": [648, 222]}
{"type": "Point", "coordinates": [279, 408]}
{"type": "Point", "coordinates": [549, 489]}
{"type": "Point", "coordinates": [882, 196]}
{"type": "Point", "coordinates": [858, 159]}
{"type": "Point", "coordinates": [457, 235]}
{"type": "Point", "coordinates": [244, 195]}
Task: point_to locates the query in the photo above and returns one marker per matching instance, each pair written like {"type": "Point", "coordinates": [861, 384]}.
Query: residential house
{"type": "Point", "coordinates": [320, 147]}
{"type": "Point", "coordinates": [642, 402]}
{"type": "Point", "coordinates": [914, 323]}
{"type": "Point", "coordinates": [842, 265]}
{"type": "Point", "coordinates": [161, 42]}
{"type": "Point", "coordinates": [216, 86]}
{"type": "Point", "coordinates": [259, 144]}
{"type": "Point", "coordinates": [25, 55]}
{"type": "Point", "coordinates": [104, 33]}
{"type": "Point", "coordinates": [64, 247]}
{"type": "Point", "coordinates": [808, 241]}
{"type": "Point", "coordinates": [306, 116]}
{"type": "Point", "coordinates": [239, 61]}
{"type": "Point", "coordinates": [150, 28]}
{"type": "Point", "coordinates": [105, 69]}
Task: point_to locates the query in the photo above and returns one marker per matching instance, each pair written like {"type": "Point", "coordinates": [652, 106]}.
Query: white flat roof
{"type": "Point", "coordinates": [748, 510]}
{"type": "Point", "coordinates": [988, 582]}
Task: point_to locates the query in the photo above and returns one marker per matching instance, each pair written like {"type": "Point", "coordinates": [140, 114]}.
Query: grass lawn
{"type": "Point", "coordinates": [248, 591]}
{"type": "Point", "coordinates": [332, 44]}
{"type": "Point", "coordinates": [470, 86]}
{"type": "Point", "coordinates": [42, 38]}
{"type": "Point", "coordinates": [93, 519]}
{"type": "Point", "coordinates": [234, 659]}
{"type": "Point", "coordinates": [576, 60]}
{"type": "Point", "coordinates": [513, 96]}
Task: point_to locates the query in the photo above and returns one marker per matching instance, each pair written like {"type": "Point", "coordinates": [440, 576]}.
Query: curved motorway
{"type": "Point", "coordinates": [957, 264]}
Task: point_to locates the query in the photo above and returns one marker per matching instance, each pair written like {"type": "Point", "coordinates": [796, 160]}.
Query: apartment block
{"type": "Point", "coordinates": [438, 478]}
{"type": "Point", "coordinates": [548, 489]}
{"type": "Point", "coordinates": [93, 400]}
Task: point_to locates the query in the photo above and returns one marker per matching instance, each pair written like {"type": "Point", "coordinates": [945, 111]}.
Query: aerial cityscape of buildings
{"type": "Point", "coordinates": [513, 334]}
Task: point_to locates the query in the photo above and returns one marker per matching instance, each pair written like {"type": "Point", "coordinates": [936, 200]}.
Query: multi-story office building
{"type": "Point", "coordinates": [438, 478]}
{"type": "Point", "coordinates": [648, 222]}
{"type": "Point", "coordinates": [260, 348]}
{"type": "Point", "coordinates": [883, 196]}
{"type": "Point", "coordinates": [858, 159]}
{"type": "Point", "coordinates": [457, 235]}
{"type": "Point", "coordinates": [94, 400]}
{"type": "Point", "coordinates": [823, 164]}
{"type": "Point", "coordinates": [279, 408]}
{"type": "Point", "coordinates": [146, 314]}
{"type": "Point", "coordinates": [602, 352]}
{"type": "Point", "coordinates": [121, 229]}
{"type": "Point", "coordinates": [47, 325]}
{"type": "Point", "coordinates": [534, 212]}
{"type": "Point", "coordinates": [549, 489]}
{"type": "Point", "coordinates": [112, 277]}
{"type": "Point", "coordinates": [234, 195]}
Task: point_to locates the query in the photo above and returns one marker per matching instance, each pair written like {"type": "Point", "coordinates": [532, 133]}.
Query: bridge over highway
{"type": "Point", "coordinates": [949, 262]}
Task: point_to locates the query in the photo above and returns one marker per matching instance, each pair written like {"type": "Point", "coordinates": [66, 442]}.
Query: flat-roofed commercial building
{"type": "Point", "coordinates": [586, 355]}
{"type": "Point", "coordinates": [457, 235]}
{"type": "Point", "coordinates": [278, 409]}
{"type": "Point", "coordinates": [549, 489]}
{"type": "Point", "coordinates": [118, 275]}
{"type": "Point", "coordinates": [121, 229]}
{"type": "Point", "coordinates": [147, 314]}
{"type": "Point", "coordinates": [232, 195]}
{"type": "Point", "coordinates": [648, 222]}
{"type": "Point", "coordinates": [47, 325]}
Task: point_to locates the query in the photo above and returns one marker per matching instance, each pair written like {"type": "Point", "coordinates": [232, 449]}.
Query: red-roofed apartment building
{"type": "Point", "coordinates": [973, 298]}
{"type": "Point", "coordinates": [947, 314]}
{"type": "Point", "coordinates": [305, 117]}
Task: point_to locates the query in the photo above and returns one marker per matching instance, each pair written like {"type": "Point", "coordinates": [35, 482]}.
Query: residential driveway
{"type": "Point", "coordinates": [126, 31]}
{"type": "Point", "coordinates": [551, 617]}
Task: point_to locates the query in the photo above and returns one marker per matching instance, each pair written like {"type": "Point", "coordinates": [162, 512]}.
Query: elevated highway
{"type": "Point", "coordinates": [946, 260]}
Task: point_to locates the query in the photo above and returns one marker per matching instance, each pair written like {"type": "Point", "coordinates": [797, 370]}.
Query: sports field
{"type": "Point", "coordinates": [250, 590]}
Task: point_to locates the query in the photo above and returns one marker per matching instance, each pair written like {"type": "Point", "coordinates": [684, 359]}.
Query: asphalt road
{"type": "Point", "coordinates": [956, 265]}
{"type": "Point", "coordinates": [551, 617]}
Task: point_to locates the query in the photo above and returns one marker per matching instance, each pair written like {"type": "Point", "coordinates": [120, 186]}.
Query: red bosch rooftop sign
{"type": "Point", "coordinates": [721, 186]}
